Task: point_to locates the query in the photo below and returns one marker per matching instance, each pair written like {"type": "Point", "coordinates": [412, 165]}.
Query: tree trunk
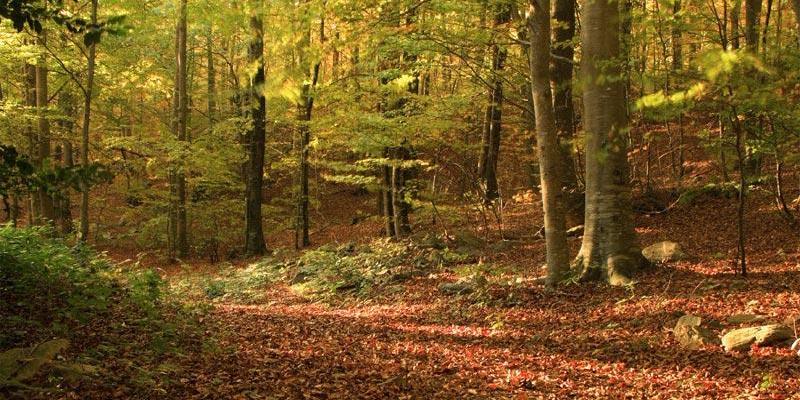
{"type": "Point", "coordinates": [493, 124]}
{"type": "Point", "coordinates": [736, 12]}
{"type": "Point", "coordinates": [610, 251]}
{"type": "Point", "coordinates": [561, 72]}
{"type": "Point", "coordinates": [796, 9]}
{"type": "Point", "coordinates": [211, 81]}
{"type": "Point", "coordinates": [550, 162]}
{"type": "Point", "coordinates": [386, 193]}
{"type": "Point", "coordinates": [181, 228]}
{"type": "Point", "coordinates": [33, 150]}
{"type": "Point", "coordinates": [677, 40]}
{"type": "Point", "coordinates": [87, 112]}
{"type": "Point", "coordinates": [305, 108]}
{"type": "Point", "coordinates": [752, 23]}
{"type": "Point", "coordinates": [48, 214]}
{"type": "Point", "coordinates": [257, 110]}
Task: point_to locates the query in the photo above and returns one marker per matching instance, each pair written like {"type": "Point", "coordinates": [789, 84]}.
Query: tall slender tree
{"type": "Point", "coordinates": [48, 214]}
{"type": "Point", "coordinates": [181, 78]}
{"type": "Point", "coordinates": [492, 128]}
{"type": "Point", "coordinates": [256, 109]}
{"type": "Point", "coordinates": [561, 74]}
{"type": "Point", "coordinates": [304, 111]}
{"type": "Point", "coordinates": [548, 147]}
{"type": "Point", "coordinates": [87, 89]}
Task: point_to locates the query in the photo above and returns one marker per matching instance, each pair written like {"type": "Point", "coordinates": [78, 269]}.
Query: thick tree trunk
{"type": "Point", "coordinates": [550, 162]}
{"type": "Point", "coordinates": [610, 251]}
{"type": "Point", "coordinates": [257, 111]}
{"type": "Point", "coordinates": [48, 214]}
{"type": "Point", "coordinates": [561, 73]}
{"type": "Point", "coordinates": [181, 229]}
{"type": "Point", "coordinates": [677, 39]}
{"type": "Point", "coordinates": [83, 234]}
{"type": "Point", "coordinates": [752, 23]}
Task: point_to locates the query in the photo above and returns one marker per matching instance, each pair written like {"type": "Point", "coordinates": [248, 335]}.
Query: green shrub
{"type": "Point", "coordinates": [48, 280]}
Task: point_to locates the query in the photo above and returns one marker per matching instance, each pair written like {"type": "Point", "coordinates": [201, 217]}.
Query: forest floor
{"type": "Point", "coordinates": [412, 341]}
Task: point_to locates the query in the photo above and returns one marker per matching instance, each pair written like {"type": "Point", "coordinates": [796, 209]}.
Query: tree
{"type": "Point", "coordinates": [48, 214]}
{"type": "Point", "coordinates": [609, 251]}
{"type": "Point", "coordinates": [492, 128]}
{"type": "Point", "coordinates": [87, 113]}
{"type": "Point", "coordinates": [561, 74]}
{"type": "Point", "coordinates": [181, 78]}
{"type": "Point", "coordinates": [304, 112]}
{"type": "Point", "coordinates": [550, 161]}
{"type": "Point", "coordinates": [256, 110]}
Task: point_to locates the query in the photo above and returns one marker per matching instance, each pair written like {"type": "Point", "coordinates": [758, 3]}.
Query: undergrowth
{"type": "Point", "coordinates": [116, 321]}
{"type": "Point", "coordinates": [328, 271]}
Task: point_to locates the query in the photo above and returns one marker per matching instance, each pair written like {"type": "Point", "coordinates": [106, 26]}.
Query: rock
{"type": "Point", "coordinates": [740, 319]}
{"type": "Point", "coordinates": [742, 339]}
{"type": "Point", "coordinates": [690, 333]}
{"type": "Point", "coordinates": [575, 231]}
{"type": "Point", "coordinates": [454, 288]}
{"type": "Point", "coordinates": [664, 252]}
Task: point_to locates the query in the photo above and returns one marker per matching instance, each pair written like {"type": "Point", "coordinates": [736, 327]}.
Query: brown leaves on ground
{"type": "Point", "coordinates": [582, 341]}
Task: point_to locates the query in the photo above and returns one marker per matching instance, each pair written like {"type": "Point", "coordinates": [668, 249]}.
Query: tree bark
{"type": "Point", "coordinates": [494, 113]}
{"type": "Point", "coordinates": [561, 73]}
{"type": "Point", "coordinates": [752, 22]}
{"type": "Point", "coordinates": [33, 150]}
{"type": "Point", "coordinates": [796, 9]}
{"type": "Point", "coordinates": [211, 79]}
{"type": "Point", "coordinates": [610, 251]}
{"type": "Point", "coordinates": [550, 162]}
{"type": "Point", "coordinates": [305, 109]}
{"type": "Point", "coordinates": [677, 37]}
{"type": "Point", "coordinates": [87, 113]}
{"type": "Point", "coordinates": [48, 214]}
{"type": "Point", "coordinates": [386, 193]}
{"type": "Point", "coordinates": [257, 111]}
{"type": "Point", "coordinates": [181, 229]}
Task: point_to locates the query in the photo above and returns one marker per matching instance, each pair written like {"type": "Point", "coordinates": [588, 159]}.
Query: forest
{"type": "Point", "coordinates": [399, 199]}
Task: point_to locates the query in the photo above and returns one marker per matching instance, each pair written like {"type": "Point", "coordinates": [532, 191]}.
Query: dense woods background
{"type": "Point", "coordinates": [544, 199]}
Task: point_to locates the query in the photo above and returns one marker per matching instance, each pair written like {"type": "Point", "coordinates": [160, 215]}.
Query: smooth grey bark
{"type": "Point", "coordinates": [550, 162]}
{"type": "Point", "coordinates": [610, 251]}
{"type": "Point", "coordinates": [256, 109]}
